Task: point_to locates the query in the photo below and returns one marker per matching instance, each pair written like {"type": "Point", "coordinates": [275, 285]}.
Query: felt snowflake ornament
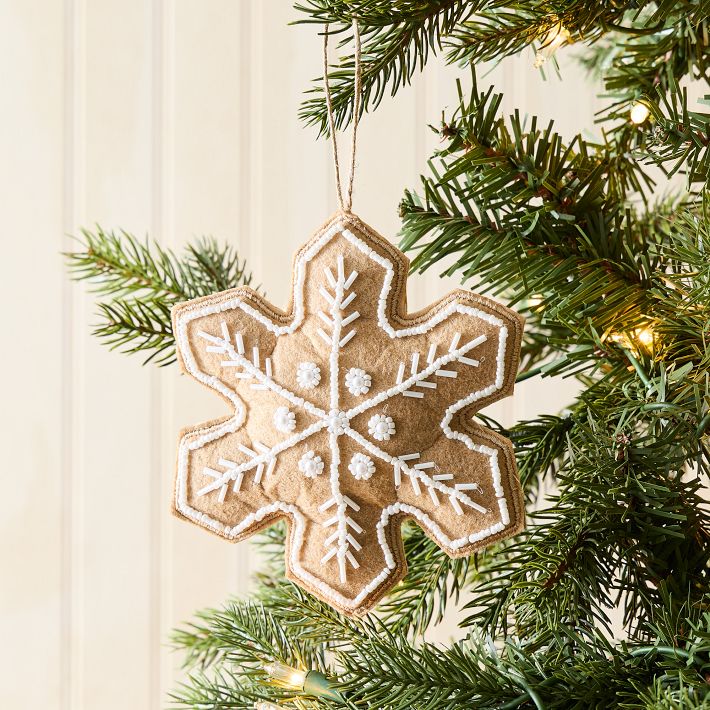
{"type": "Point", "coordinates": [349, 415]}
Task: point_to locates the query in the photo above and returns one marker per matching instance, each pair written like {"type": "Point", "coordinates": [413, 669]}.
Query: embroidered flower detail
{"type": "Point", "coordinates": [284, 419]}
{"type": "Point", "coordinates": [361, 466]}
{"type": "Point", "coordinates": [381, 427]}
{"type": "Point", "coordinates": [310, 464]}
{"type": "Point", "coordinates": [308, 375]}
{"type": "Point", "coordinates": [357, 381]}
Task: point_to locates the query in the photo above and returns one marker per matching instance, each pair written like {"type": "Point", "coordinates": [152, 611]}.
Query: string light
{"type": "Point", "coordinates": [639, 113]}
{"type": "Point", "coordinates": [285, 675]}
{"type": "Point", "coordinates": [266, 705]}
{"type": "Point", "coordinates": [553, 40]}
{"type": "Point", "coordinates": [634, 340]}
{"type": "Point", "coordinates": [644, 336]}
{"type": "Point", "coordinates": [306, 682]}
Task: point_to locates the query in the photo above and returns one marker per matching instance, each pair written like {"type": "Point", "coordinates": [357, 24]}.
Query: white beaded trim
{"type": "Point", "coordinates": [197, 440]}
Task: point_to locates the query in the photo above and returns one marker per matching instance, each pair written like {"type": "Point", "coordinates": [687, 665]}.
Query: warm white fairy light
{"type": "Point", "coordinates": [310, 682]}
{"type": "Point", "coordinates": [639, 113]}
{"type": "Point", "coordinates": [644, 336]}
{"type": "Point", "coordinates": [553, 40]}
{"type": "Point", "coordinates": [266, 705]}
{"type": "Point", "coordinates": [638, 338]}
{"type": "Point", "coordinates": [285, 675]}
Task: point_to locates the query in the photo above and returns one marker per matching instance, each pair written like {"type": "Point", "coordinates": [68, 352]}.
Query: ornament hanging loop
{"type": "Point", "coordinates": [346, 202]}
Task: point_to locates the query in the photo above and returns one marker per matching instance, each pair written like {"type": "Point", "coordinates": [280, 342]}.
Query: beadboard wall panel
{"type": "Point", "coordinates": [174, 118]}
{"type": "Point", "coordinates": [33, 413]}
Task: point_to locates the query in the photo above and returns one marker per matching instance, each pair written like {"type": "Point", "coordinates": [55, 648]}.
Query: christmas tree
{"type": "Point", "coordinates": [612, 273]}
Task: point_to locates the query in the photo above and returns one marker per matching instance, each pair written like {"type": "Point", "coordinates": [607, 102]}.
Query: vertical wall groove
{"type": "Point", "coordinates": [244, 78]}
{"type": "Point", "coordinates": [156, 590]}
{"type": "Point", "coordinates": [162, 394]}
{"type": "Point", "coordinates": [255, 106]}
{"type": "Point", "coordinates": [73, 199]}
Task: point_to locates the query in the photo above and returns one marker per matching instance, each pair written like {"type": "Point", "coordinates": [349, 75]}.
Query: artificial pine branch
{"type": "Point", "coordinates": [141, 282]}
{"type": "Point", "coordinates": [397, 39]}
{"type": "Point", "coordinates": [635, 47]}
{"type": "Point", "coordinates": [680, 138]}
{"type": "Point", "coordinates": [378, 667]}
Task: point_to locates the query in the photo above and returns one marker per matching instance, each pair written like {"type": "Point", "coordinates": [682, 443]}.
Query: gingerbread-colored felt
{"type": "Point", "coordinates": [350, 415]}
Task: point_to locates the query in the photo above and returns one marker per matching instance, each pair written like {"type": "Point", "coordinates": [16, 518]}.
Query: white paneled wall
{"type": "Point", "coordinates": [173, 118]}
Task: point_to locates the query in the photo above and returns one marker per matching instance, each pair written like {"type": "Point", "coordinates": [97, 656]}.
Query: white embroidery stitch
{"type": "Point", "coordinates": [361, 466]}
{"type": "Point", "coordinates": [310, 464]}
{"type": "Point", "coordinates": [358, 381]}
{"type": "Point", "coordinates": [284, 419]}
{"type": "Point", "coordinates": [308, 375]}
{"type": "Point", "coordinates": [338, 544]}
{"type": "Point", "coordinates": [196, 440]}
{"type": "Point", "coordinates": [381, 427]}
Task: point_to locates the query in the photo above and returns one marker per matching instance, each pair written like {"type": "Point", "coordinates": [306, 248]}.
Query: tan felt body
{"type": "Point", "coordinates": [382, 431]}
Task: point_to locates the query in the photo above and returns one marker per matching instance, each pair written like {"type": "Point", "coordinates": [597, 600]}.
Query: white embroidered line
{"type": "Point", "coordinates": [325, 319]}
{"type": "Point", "coordinates": [341, 552]}
{"type": "Point", "coordinates": [329, 276]}
{"type": "Point", "coordinates": [269, 456]}
{"type": "Point", "coordinates": [415, 473]}
{"type": "Point", "coordinates": [217, 475]}
{"type": "Point", "coordinates": [396, 467]}
{"type": "Point", "coordinates": [263, 381]}
{"type": "Point", "coordinates": [404, 385]}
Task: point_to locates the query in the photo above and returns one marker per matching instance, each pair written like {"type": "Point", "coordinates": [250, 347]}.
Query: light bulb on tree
{"type": "Point", "coordinates": [286, 675]}
{"type": "Point", "coordinates": [644, 336]}
{"type": "Point", "coordinates": [639, 113]}
{"type": "Point", "coordinates": [307, 682]}
{"type": "Point", "coordinates": [635, 340]}
{"type": "Point", "coordinates": [553, 40]}
{"type": "Point", "coordinates": [266, 705]}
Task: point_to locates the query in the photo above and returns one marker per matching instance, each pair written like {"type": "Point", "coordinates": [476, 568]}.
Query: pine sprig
{"type": "Point", "coordinates": [378, 667]}
{"type": "Point", "coordinates": [653, 43]}
{"type": "Point", "coordinates": [397, 40]}
{"type": "Point", "coordinates": [680, 140]}
{"type": "Point", "coordinates": [141, 282]}
{"type": "Point", "coordinates": [540, 224]}
{"type": "Point", "coordinates": [228, 649]}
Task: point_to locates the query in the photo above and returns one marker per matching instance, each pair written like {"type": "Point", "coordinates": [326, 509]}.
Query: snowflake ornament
{"type": "Point", "coordinates": [343, 456]}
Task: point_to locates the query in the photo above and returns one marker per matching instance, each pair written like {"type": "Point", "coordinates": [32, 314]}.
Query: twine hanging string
{"type": "Point", "coordinates": [345, 204]}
